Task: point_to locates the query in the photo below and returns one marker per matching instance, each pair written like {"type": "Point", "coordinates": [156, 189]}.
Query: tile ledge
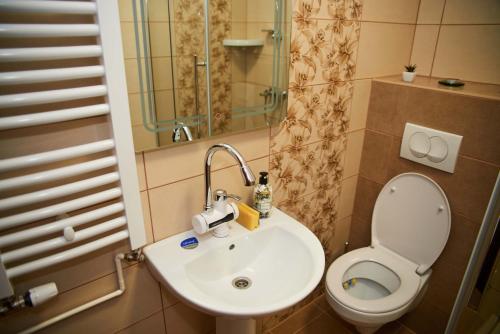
{"type": "Point", "coordinates": [474, 89]}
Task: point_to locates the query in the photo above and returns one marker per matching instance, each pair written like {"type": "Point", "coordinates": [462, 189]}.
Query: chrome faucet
{"type": "Point", "coordinates": [176, 134]}
{"type": "Point", "coordinates": [246, 172]}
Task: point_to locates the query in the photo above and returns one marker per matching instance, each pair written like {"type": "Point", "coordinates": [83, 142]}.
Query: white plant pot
{"type": "Point", "coordinates": [409, 76]}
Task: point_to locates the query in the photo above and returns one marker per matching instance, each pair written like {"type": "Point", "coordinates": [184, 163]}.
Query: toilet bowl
{"type": "Point", "coordinates": [374, 285]}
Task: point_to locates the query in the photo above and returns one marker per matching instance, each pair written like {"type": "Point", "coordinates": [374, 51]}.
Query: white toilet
{"type": "Point", "coordinates": [371, 286]}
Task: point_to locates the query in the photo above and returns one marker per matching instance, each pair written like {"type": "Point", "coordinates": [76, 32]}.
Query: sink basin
{"type": "Point", "coordinates": [245, 275]}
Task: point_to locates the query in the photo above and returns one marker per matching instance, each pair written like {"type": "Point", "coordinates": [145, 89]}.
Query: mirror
{"type": "Point", "coordinates": [202, 68]}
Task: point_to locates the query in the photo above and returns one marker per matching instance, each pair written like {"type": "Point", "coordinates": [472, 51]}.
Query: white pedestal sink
{"type": "Point", "coordinates": [243, 276]}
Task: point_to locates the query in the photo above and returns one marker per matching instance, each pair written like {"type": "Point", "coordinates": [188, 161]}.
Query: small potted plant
{"type": "Point", "coordinates": [409, 74]}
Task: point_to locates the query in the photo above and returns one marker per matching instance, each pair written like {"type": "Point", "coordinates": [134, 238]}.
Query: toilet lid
{"type": "Point", "coordinates": [412, 218]}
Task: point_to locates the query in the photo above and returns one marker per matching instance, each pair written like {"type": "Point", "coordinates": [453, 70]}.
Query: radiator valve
{"type": "Point", "coordinates": [33, 297]}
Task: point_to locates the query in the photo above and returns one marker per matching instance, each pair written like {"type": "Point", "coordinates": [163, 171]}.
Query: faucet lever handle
{"type": "Point", "coordinates": [221, 193]}
{"type": "Point", "coordinates": [235, 197]}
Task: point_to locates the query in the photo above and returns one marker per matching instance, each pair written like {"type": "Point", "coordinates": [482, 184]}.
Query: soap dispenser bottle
{"type": "Point", "coordinates": [263, 196]}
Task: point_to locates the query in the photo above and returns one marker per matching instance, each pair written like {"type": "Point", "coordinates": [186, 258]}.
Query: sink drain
{"type": "Point", "coordinates": [242, 283]}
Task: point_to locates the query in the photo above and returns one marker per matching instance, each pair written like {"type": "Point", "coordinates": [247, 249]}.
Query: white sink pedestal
{"type": "Point", "coordinates": [226, 325]}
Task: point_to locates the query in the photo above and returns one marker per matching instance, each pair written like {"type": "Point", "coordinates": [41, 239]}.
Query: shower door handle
{"type": "Point", "coordinates": [197, 64]}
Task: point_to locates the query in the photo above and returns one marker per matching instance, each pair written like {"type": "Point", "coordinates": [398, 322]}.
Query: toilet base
{"type": "Point", "coordinates": [367, 330]}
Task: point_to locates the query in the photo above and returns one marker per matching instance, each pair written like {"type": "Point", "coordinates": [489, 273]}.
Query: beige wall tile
{"type": "Point", "coordinates": [360, 102]}
{"type": "Point", "coordinates": [238, 97]}
{"type": "Point", "coordinates": [430, 11]}
{"type": "Point", "coordinates": [239, 11]}
{"type": "Point", "coordinates": [184, 161]}
{"type": "Point", "coordinates": [424, 46]}
{"type": "Point", "coordinates": [182, 319]}
{"type": "Point", "coordinates": [347, 196]}
{"type": "Point", "coordinates": [239, 123]}
{"type": "Point", "coordinates": [260, 69]}
{"type": "Point", "coordinates": [164, 103]}
{"type": "Point", "coordinates": [134, 103]}
{"type": "Point", "coordinates": [159, 39]}
{"type": "Point", "coordinates": [128, 40]}
{"type": "Point", "coordinates": [289, 9]}
{"type": "Point", "coordinates": [260, 11]}
{"type": "Point", "coordinates": [125, 9]}
{"type": "Point", "coordinates": [152, 325]}
{"type": "Point", "coordinates": [141, 173]}
{"type": "Point", "coordinates": [238, 31]}
{"type": "Point", "coordinates": [383, 49]}
{"type": "Point", "coordinates": [132, 75]}
{"type": "Point", "coordinates": [143, 139]}
{"type": "Point", "coordinates": [253, 92]}
{"type": "Point", "coordinates": [158, 10]}
{"type": "Point", "coordinates": [466, 52]}
{"type": "Point", "coordinates": [147, 217]}
{"type": "Point", "coordinates": [353, 153]}
{"type": "Point", "coordinates": [472, 12]}
{"type": "Point", "coordinates": [390, 11]}
{"type": "Point", "coordinates": [173, 205]}
{"type": "Point", "coordinates": [165, 138]}
{"type": "Point", "coordinates": [142, 290]}
{"type": "Point", "coordinates": [238, 67]}
{"type": "Point", "coordinates": [162, 73]}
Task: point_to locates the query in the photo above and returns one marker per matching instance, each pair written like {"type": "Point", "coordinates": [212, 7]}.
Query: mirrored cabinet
{"type": "Point", "coordinates": [202, 68]}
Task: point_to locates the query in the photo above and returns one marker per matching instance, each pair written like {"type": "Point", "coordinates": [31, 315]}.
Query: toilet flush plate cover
{"type": "Point", "coordinates": [412, 218]}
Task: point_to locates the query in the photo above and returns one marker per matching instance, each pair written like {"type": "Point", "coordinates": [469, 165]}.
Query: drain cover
{"type": "Point", "coordinates": [242, 283]}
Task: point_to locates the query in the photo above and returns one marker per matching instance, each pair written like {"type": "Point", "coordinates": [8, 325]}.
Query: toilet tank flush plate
{"type": "Point", "coordinates": [433, 148]}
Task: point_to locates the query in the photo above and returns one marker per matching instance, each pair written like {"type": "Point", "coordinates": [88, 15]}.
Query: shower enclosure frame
{"type": "Point", "coordinates": [483, 241]}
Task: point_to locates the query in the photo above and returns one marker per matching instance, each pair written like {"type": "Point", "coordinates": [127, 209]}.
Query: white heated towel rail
{"type": "Point", "coordinates": [64, 202]}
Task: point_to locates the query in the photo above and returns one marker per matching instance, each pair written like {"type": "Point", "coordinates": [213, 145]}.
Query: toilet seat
{"type": "Point", "coordinates": [409, 287]}
{"type": "Point", "coordinates": [412, 217]}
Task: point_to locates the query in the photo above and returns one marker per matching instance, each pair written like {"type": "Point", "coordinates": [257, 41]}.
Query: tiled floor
{"type": "Point", "coordinates": [319, 318]}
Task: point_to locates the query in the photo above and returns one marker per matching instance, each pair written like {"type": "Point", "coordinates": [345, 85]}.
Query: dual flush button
{"type": "Point", "coordinates": [433, 148]}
